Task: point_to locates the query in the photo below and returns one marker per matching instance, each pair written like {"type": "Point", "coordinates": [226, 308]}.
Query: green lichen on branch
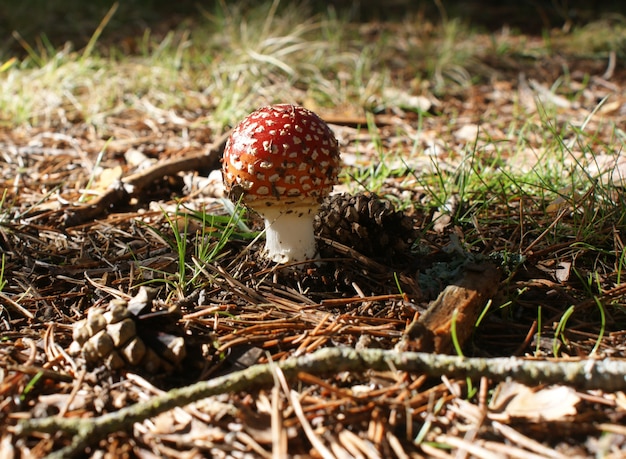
{"type": "Point", "coordinates": [607, 375]}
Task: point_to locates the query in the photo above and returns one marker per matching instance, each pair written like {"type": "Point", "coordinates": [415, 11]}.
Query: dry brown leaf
{"type": "Point", "coordinates": [620, 400]}
{"type": "Point", "coordinates": [172, 421]}
{"type": "Point", "coordinates": [407, 101]}
{"type": "Point", "coordinates": [553, 403]}
{"type": "Point", "coordinates": [7, 450]}
{"type": "Point", "coordinates": [467, 132]}
{"type": "Point", "coordinates": [107, 177]}
{"type": "Point", "coordinates": [78, 401]}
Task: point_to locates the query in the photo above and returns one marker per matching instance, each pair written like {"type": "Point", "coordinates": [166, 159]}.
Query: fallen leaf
{"type": "Point", "coordinates": [468, 132]}
{"type": "Point", "coordinates": [407, 101]}
{"type": "Point", "coordinates": [553, 403]}
{"type": "Point", "coordinates": [107, 177]}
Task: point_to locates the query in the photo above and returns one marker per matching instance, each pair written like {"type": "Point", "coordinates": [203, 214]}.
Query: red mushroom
{"type": "Point", "coordinates": [283, 160]}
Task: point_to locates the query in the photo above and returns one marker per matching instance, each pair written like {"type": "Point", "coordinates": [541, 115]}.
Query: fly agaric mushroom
{"type": "Point", "coordinates": [282, 160]}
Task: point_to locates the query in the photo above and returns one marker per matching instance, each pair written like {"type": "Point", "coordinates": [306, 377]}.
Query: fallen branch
{"type": "Point", "coordinates": [607, 375]}
{"type": "Point", "coordinates": [120, 193]}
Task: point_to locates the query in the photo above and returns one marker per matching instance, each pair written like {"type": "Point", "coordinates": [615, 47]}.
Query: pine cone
{"type": "Point", "coordinates": [110, 337]}
{"type": "Point", "coordinates": [367, 223]}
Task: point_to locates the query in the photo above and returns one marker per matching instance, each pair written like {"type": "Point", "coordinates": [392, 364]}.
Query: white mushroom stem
{"type": "Point", "coordinates": [289, 234]}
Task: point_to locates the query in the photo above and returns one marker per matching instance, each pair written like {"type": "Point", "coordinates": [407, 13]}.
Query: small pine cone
{"type": "Point", "coordinates": [110, 337]}
{"type": "Point", "coordinates": [367, 223]}
{"type": "Point", "coordinates": [122, 332]}
{"type": "Point", "coordinates": [134, 351]}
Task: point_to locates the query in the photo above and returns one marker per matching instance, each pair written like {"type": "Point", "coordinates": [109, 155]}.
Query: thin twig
{"type": "Point", "coordinates": [16, 306]}
{"type": "Point", "coordinates": [131, 185]}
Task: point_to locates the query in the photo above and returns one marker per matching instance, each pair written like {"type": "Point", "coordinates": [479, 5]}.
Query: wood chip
{"type": "Point", "coordinates": [461, 303]}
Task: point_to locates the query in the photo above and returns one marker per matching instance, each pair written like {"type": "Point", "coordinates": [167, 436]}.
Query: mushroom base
{"type": "Point", "coordinates": [289, 235]}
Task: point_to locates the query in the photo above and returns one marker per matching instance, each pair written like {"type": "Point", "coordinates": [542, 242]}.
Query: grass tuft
{"type": "Point", "coordinates": [197, 239]}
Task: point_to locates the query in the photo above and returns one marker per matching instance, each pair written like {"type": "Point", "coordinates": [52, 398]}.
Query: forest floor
{"type": "Point", "coordinates": [480, 214]}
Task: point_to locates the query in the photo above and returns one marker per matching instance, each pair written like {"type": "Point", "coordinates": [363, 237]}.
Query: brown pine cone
{"type": "Point", "coordinates": [109, 337]}
{"type": "Point", "coordinates": [367, 223]}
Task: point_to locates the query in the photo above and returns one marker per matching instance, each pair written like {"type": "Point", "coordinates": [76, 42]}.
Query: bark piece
{"type": "Point", "coordinates": [432, 332]}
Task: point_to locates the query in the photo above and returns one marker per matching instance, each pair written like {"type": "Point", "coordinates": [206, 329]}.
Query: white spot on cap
{"type": "Point", "coordinates": [237, 163]}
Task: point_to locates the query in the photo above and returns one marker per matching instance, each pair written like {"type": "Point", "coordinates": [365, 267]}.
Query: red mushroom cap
{"type": "Point", "coordinates": [281, 155]}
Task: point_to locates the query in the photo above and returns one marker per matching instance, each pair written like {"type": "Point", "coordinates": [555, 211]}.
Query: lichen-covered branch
{"type": "Point", "coordinates": [608, 375]}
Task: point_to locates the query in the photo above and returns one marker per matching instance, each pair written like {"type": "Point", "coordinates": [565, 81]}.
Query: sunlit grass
{"type": "Point", "coordinates": [231, 63]}
{"type": "Point", "coordinates": [238, 57]}
{"type": "Point", "coordinates": [197, 239]}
